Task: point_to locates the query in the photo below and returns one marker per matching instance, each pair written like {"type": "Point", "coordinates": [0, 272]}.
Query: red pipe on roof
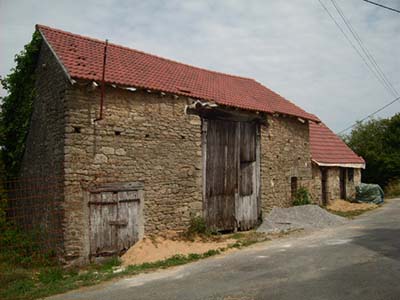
{"type": "Point", "coordinates": [103, 82]}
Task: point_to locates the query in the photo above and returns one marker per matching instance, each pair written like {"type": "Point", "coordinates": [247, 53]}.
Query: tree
{"type": "Point", "coordinates": [378, 142]}
{"type": "Point", "coordinates": [16, 107]}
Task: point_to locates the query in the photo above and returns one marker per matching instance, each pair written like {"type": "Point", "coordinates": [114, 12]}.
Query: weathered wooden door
{"type": "Point", "coordinates": [293, 188]}
{"type": "Point", "coordinates": [221, 174]}
{"type": "Point", "coordinates": [324, 185]}
{"type": "Point", "coordinates": [247, 199]}
{"type": "Point", "coordinates": [342, 179]}
{"type": "Point", "coordinates": [114, 220]}
{"type": "Point", "coordinates": [231, 174]}
{"type": "Point", "coordinates": [127, 219]}
{"type": "Point", "coordinates": [103, 208]}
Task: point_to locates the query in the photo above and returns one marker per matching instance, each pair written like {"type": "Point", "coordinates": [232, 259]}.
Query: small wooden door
{"type": "Point", "coordinates": [103, 208]}
{"type": "Point", "coordinates": [293, 188]}
{"type": "Point", "coordinates": [128, 218]}
{"type": "Point", "coordinates": [324, 186]}
{"type": "Point", "coordinates": [231, 174]}
{"type": "Point", "coordinates": [342, 179]}
{"type": "Point", "coordinates": [114, 218]}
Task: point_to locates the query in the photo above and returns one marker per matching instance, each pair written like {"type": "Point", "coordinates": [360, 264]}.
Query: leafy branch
{"type": "Point", "coordinates": [16, 107]}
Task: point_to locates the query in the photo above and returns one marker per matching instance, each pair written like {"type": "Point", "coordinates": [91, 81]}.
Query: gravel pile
{"type": "Point", "coordinates": [299, 217]}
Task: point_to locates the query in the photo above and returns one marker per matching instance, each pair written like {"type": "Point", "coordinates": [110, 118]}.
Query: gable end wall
{"type": "Point", "coordinates": [41, 171]}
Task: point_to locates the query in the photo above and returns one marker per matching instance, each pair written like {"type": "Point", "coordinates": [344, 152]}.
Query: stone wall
{"type": "Point", "coordinates": [314, 185]}
{"type": "Point", "coordinates": [148, 137]}
{"type": "Point", "coordinates": [351, 184]}
{"type": "Point", "coordinates": [144, 137]}
{"type": "Point", "coordinates": [41, 175]}
{"type": "Point", "coordinates": [333, 184]}
{"type": "Point", "coordinates": [284, 154]}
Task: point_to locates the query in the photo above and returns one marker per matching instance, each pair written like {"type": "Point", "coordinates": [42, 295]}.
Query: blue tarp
{"type": "Point", "coordinates": [370, 193]}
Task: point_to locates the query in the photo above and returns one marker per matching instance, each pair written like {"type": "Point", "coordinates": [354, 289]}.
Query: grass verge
{"type": "Point", "coordinates": [26, 283]}
{"type": "Point", "coordinates": [350, 214]}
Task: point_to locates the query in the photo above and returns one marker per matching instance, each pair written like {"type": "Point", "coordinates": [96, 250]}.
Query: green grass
{"type": "Point", "coordinates": [22, 282]}
{"type": "Point", "coordinates": [350, 214]}
{"type": "Point", "coordinates": [245, 239]}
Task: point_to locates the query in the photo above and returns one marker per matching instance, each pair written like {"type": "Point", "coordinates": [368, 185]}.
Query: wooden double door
{"type": "Point", "coordinates": [231, 154]}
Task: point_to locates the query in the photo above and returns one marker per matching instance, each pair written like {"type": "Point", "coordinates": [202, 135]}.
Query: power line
{"type": "Point", "coordinates": [387, 7]}
{"type": "Point", "coordinates": [355, 48]}
{"type": "Point", "coordinates": [364, 48]}
{"type": "Point", "coordinates": [370, 115]}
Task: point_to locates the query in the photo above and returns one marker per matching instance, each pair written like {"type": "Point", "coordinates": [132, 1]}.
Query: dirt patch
{"type": "Point", "coordinates": [346, 206]}
{"type": "Point", "coordinates": [151, 250]}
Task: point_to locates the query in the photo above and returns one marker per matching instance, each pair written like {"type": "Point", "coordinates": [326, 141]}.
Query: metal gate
{"type": "Point", "coordinates": [115, 218]}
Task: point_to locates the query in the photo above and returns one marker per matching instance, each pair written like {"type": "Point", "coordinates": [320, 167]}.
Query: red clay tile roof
{"type": "Point", "coordinates": [83, 58]}
{"type": "Point", "coordinates": [328, 148]}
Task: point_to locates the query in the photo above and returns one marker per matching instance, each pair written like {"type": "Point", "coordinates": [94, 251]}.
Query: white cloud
{"type": "Point", "coordinates": [290, 46]}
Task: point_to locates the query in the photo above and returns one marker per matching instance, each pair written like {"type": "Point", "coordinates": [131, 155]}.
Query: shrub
{"type": "Point", "coordinates": [3, 208]}
{"type": "Point", "coordinates": [197, 226]}
{"type": "Point", "coordinates": [393, 188]}
{"type": "Point", "coordinates": [23, 248]}
{"type": "Point", "coordinates": [302, 197]}
{"type": "Point", "coordinates": [16, 107]}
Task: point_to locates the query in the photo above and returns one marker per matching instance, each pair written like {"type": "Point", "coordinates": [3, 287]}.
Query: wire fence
{"type": "Point", "coordinates": [31, 215]}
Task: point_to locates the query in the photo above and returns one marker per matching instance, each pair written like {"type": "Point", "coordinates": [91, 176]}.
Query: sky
{"type": "Point", "coordinates": [292, 47]}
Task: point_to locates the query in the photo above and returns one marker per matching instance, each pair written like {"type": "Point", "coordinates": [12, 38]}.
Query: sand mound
{"type": "Point", "coordinates": [346, 206]}
{"type": "Point", "coordinates": [151, 250]}
{"type": "Point", "coordinates": [298, 217]}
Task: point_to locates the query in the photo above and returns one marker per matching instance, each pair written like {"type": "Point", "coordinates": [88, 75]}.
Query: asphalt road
{"type": "Point", "coordinates": [358, 260]}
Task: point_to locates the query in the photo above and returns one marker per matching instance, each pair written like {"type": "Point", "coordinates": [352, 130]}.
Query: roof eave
{"type": "Point", "coordinates": [339, 164]}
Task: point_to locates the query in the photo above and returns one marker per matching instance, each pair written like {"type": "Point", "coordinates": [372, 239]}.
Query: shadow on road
{"type": "Point", "coordinates": [384, 241]}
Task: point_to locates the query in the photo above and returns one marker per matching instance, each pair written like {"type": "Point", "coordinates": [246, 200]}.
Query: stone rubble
{"type": "Point", "coordinates": [308, 217]}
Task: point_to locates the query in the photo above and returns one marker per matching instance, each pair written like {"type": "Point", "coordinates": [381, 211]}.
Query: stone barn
{"type": "Point", "coordinates": [336, 169]}
{"type": "Point", "coordinates": [143, 144]}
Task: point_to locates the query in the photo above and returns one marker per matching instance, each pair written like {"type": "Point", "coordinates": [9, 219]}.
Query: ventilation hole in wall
{"type": "Point", "coordinates": [277, 156]}
{"type": "Point", "coordinates": [115, 192]}
{"type": "Point", "coordinates": [182, 137]}
{"type": "Point", "coordinates": [299, 158]}
{"type": "Point", "coordinates": [147, 135]}
{"type": "Point", "coordinates": [77, 129]}
{"type": "Point", "coordinates": [117, 132]}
